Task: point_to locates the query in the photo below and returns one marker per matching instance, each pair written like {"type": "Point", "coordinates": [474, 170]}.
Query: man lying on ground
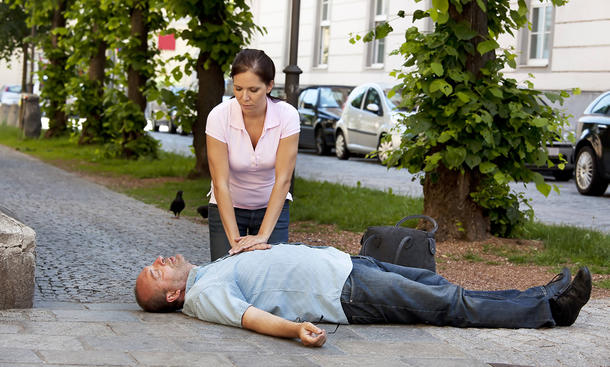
{"type": "Point", "coordinates": [281, 290]}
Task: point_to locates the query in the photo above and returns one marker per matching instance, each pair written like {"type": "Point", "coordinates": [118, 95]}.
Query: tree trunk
{"type": "Point", "coordinates": [57, 119]}
{"type": "Point", "coordinates": [447, 192]}
{"type": "Point", "coordinates": [477, 18]}
{"type": "Point", "coordinates": [136, 79]}
{"type": "Point", "coordinates": [447, 199]}
{"type": "Point", "coordinates": [24, 69]}
{"type": "Point", "coordinates": [211, 88]}
{"type": "Point", "coordinates": [93, 128]}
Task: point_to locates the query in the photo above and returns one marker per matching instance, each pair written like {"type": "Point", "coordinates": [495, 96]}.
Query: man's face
{"type": "Point", "coordinates": [165, 274]}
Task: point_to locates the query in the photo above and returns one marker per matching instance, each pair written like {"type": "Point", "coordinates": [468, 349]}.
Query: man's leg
{"type": "Point", "coordinates": [377, 292]}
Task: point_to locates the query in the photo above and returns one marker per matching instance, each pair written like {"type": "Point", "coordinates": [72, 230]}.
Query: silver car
{"type": "Point", "coordinates": [368, 116]}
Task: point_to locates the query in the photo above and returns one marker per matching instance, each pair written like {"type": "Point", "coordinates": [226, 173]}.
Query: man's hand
{"type": "Point", "coordinates": [311, 335]}
{"type": "Point", "coordinates": [258, 246]}
{"type": "Point", "coordinates": [246, 242]}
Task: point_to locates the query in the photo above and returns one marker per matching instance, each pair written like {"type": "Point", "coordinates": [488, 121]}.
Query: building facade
{"type": "Point", "coordinates": [565, 47]}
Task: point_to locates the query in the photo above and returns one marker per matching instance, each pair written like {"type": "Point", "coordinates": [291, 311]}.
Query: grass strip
{"type": "Point", "coordinates": [350, 208]}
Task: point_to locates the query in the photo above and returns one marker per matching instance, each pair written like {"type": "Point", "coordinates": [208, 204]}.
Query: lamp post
{"type": "Point", "coordinates": [292, 71]}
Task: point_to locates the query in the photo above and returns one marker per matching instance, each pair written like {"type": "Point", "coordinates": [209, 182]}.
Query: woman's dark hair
{"type": "Point", "coordinates": [256, 61]}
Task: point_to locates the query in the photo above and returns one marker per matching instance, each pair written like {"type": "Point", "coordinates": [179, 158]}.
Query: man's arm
{"type": "Point", "coordinates": [265, 323]}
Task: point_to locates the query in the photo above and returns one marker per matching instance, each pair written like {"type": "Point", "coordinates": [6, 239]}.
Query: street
{"type": "Point", "coordinates": [567, 207]}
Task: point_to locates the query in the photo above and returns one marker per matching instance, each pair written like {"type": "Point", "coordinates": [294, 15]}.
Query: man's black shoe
{"type": "Point", "coordinates": [559, 283]}
{"type": "Point", "coordinates": [566, 306]}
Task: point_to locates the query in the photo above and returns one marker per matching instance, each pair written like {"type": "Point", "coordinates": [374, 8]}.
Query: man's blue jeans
{"type": "Point", "coordinates": [248, 223]}
{"type": "Point", "coordinates": [378, 292]}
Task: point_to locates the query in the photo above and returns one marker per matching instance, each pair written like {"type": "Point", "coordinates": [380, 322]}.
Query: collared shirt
{"type": "Point", "coordinates": [295, 282]}
{"type": "Point", "coordinates": [251, 171]}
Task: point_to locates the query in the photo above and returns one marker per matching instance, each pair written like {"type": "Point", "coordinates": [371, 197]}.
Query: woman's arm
{"type": "Point", "coordinates": [285, 161]}
{"type": "Point", "coordinates": [218, 159]}
{"type": "Point", "coordinates": [265, 323]}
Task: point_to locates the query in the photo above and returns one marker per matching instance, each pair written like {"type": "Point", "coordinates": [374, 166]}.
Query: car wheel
{"type": "Point", "coordinates": [563, 175]}
{"type": "Point", "coordinates": [172, 128]}
{"type": "Point", "coordinates": [588, 178]}
{"type": "Point", "coordinates": [321, 147]}
{"type": "Point", "coordinates": [384, 147]}
{"type": "Point", "coordinates": [341, 146]}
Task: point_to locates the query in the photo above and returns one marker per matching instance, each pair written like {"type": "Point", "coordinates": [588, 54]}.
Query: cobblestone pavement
{"type": "Point", "coordinates": [91, 242]}
{"type": "Point", "coordinates": [567, 207]}
{"type": "Point", "coordinates": [75, 334]}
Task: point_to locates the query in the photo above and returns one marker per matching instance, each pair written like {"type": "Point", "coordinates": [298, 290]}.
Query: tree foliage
{"type": "Point", "coordinates": [13, 29]}
{"type": "Point", "coordinates": [471, 120]}
{"type": "Point", "coordinates": [218, 29]}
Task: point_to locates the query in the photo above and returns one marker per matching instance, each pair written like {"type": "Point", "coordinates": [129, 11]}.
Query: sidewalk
{"type": "Point", "coordinates": [92, 242]}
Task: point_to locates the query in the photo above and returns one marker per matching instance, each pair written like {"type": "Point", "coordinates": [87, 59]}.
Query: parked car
{"type": "Point", "coordinates": [559, 151]}
{"type": "Point", "coordinates": [320, 108]}
{"type": "Point", "coordinates": [369, 115]}
{"type": "Point", "coordinates": [160, 115]}
{"type": "Point", "coordinates": [592, 150]}
{"type": "Point", "coordinates": [10, 94]}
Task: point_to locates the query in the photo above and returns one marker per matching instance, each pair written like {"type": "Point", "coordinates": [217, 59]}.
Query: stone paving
{"type": "Point", "coordinates": [92, 242]}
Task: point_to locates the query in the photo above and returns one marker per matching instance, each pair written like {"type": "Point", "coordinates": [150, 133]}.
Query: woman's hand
{"type": "Point", "coordinates": [258, 246]}
{"type": "Point", "coordinates": [311, 335]}
{"type": "Point", "coordinates": [245, 242]}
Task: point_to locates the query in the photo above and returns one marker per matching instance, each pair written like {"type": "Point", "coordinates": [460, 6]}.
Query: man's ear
{"type": "Point", "coordinates": [171, 296]}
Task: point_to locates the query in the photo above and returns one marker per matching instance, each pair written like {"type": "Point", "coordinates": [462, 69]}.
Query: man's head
{"type": "Point", "coordinates": [160, 287]}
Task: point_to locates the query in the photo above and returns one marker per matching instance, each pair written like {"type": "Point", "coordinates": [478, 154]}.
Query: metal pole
{"type": "Point", "coordinates": [292, 71]}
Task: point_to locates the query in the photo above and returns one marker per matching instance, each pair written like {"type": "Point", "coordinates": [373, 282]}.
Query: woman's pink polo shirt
{"type": "Point", "coordinates": [251, 171]}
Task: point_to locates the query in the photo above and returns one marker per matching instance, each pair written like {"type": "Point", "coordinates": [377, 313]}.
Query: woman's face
{"type": "Point", "coordinates": [250, 91]}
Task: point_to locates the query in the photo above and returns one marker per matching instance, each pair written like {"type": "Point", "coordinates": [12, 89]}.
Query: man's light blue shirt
{"type": "Point", "coordinates": [295, 282]}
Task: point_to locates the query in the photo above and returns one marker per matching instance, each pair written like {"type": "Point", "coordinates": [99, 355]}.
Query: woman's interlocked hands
{"type": "Point", "coordinates": [249, 243]}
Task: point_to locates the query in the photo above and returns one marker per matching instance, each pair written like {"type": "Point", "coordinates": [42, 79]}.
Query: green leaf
{"type": "Point", "coordinates": [441, 5]}
{"type": "Point", "coordinates": [496, 92]}
{"type": "Point", "coordinates": [382, 30]}
{"type": "Point", "coordinates": [445, 136]}
{"type": "Point", "coordinates": [442, 85]}
{"type": "Point", "coordinates": [486, 46]}
{"type": "Point", "coordinates": [455, 156]}
{"type": "Point", "coordinates": [487, 167]}
{"type": "Point", "coordinates": [543, 187]}
{"type": "Point", "coordinates": [463, 31]}
{"type": "Point", "coordinates": [437, 68]}
{"type": "Point", "coordinates": [463, 97]}
{"type": "Point", "coordinates": [540, 122]}
{"type": "Point", "coordinates": [472, 160]}
{"type": "Point", "coordinates": [482, 5]}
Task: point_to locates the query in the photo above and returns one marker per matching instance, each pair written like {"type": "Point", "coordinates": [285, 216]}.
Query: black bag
{"type": "Point", "coordinates": [401, 245]}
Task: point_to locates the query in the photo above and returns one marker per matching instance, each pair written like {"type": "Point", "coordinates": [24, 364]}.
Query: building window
{"type": "Point", "coordinates": [323, 36]}
{"type": "Point", "coordinates": [539, 39]}
{"type": "Point", "coordinates": [379, 15]}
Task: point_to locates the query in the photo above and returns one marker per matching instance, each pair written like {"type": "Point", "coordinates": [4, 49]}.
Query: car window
{"type": "Point", "coordinates": [357, 101]}
{"type": "Point", "coordinates": [373, 97]}
{"type": "Point", "coordinates": [14, 89]}
{"type": "Point", "coordinates": [308, 96]}
{"type": "Point", "coordinates": [333, 97]}
{"type": "Point", "coordinates": [603, 106]}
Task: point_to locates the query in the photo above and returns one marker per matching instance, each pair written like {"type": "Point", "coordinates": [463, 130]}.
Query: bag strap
{"type": "Point", "coordinates": [365, 244]}
{"type": "Point", "coordinates": [421, 216]}
{"type": "Point", "coordinates": [401, 246]}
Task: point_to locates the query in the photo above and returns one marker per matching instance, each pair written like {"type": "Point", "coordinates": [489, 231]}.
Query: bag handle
{"type": "Point", "coordinates": [365, 244]}
{"type": "Point", "coordinates": [401, 246]}
{"type": "Point", "coordinates": [421, 216]}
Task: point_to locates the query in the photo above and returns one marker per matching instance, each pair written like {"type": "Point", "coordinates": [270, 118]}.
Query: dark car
{"type": "Point", "coordinates": [319, 109]}
{"type": "Point", "coordinates": [592, 151]}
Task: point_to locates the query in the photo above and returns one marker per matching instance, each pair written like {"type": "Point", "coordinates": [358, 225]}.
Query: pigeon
{"type": "Point", "coordinates": [203, 210]}
{"type": "Point", "coordinates": [178, 204]}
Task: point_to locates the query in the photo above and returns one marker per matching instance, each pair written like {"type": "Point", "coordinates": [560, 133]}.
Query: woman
{"type": "Point", "coordinates": [252, 143]}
